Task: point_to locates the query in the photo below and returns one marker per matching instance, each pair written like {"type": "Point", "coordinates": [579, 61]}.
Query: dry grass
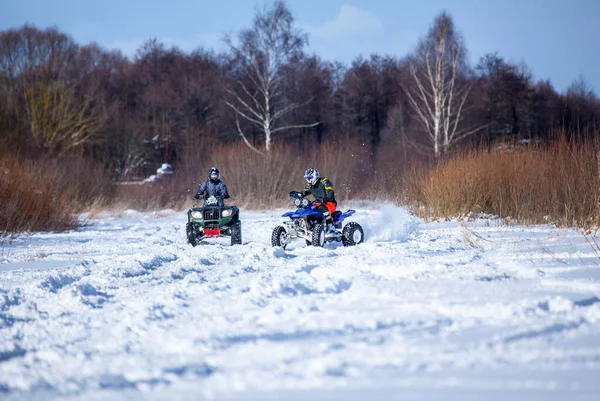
{"type": "Point", "coordinates": [557, 184]}
{"type": "Point", "coordinates": [82, 183]}
{"type": "Point", "coordinates": [28, 204]}
{"type": "Point", "coordinates": [46, 194]}
{"type": "Point", "coordinates": [263, 182]}
{"type": "Point", "coordinates": [149, 196]}
{"type": "Point", "coordinates": [258, 181]}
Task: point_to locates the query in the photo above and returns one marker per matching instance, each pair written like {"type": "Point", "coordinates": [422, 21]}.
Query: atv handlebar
{"type": "Point", "coordinates": [211, 200]}
{"type": "Point", "coordinates": [216, 197]}
{"type": "Point", "coordinates": [300, 195]}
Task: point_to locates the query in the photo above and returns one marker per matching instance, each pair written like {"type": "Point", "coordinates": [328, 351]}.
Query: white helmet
{"type": "Point", "coordinates": [312, 175]}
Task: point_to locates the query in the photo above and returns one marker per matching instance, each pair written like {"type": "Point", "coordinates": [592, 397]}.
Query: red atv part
{"type": "Point", "coordinates": [212, 232]}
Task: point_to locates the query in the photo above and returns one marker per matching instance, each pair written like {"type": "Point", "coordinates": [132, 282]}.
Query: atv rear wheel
{"type": "Point", "coordinates": [236, 233]}
{"type": "Point", "coordinates": [318, 235]}
{"type": "Point", "coordinates": [352, 234]}
{"type": "Point", "coordinates": [279, 237]}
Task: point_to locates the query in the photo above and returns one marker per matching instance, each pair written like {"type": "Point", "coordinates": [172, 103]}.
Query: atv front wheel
{"type": "Point", "coordinates": [352, 234]}
{"type": "Point", "coordinates": [236, 233]}
{"type": "Point", "coordinates": [318, 235]}
{"type": "Point", "coordinates": [191, 234]}
{"type": "Point", "coordinates": [279, 237]}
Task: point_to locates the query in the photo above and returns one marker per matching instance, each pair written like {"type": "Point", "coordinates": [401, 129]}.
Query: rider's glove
{"type": "Point", "coordinates": [197, 196]}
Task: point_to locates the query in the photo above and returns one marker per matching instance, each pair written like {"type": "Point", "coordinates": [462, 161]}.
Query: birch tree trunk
{"type": "Point", "coordinates": [438, 92]}
{"type": "Point", "coordinates": [257, 95]}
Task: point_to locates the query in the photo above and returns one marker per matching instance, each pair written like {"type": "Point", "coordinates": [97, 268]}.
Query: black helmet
{"type": "Point", "coordinates": [312, 175]}
{"type": "Point", "coordinates": [214, 174]}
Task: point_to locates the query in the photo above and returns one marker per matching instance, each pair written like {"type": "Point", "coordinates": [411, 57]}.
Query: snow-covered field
{"type": "Point", "coordinates": [125, 309]}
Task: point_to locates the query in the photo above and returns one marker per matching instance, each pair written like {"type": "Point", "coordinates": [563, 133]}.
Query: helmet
{"type": "Point", "coordinates": [312, 175]}
{"type": "Point", "coordinates": [214, 174]}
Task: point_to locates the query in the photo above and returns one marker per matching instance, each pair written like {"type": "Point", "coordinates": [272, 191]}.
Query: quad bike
{"type": "Point", "coordinates": [309, 224]}
{"type": "Point", "coordinates": [212, 221]}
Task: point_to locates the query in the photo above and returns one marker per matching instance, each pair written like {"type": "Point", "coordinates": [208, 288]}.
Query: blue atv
{"type": "Point", "coordinates": [308, 223]}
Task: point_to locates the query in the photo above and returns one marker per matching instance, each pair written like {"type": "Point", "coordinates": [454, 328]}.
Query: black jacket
{"type": "Point", "coordinates": [322, 191]}
{"type": "Point", "coordinates": [217, 189]}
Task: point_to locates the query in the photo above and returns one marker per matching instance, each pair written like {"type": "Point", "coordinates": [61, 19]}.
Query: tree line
{"type": "Point", "coordinates": [62, 99]}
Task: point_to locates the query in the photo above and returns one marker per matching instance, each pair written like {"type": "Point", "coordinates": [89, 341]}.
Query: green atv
{"type": "Point", "coordinates": [213, 221]}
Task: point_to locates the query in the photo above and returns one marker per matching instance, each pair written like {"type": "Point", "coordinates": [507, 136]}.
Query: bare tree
{"type": "Point", "coordinates": [440, 89]}
{"type": "Point", "coordinates": [57, 120]}
{"type": "Point", "coordinates": [44, 72]}
{"type": "Point", "coordinates": [260, 58]}
{"type": "Point", "coordinates": [507, 90]}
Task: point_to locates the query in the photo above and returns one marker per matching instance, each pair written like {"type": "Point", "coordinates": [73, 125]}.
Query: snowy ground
{"type": "Point", "coordinates": [125, 309]}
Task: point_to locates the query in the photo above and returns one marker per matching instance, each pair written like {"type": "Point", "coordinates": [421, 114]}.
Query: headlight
{"type": "Point", "coordinates": [197, 215]}
{"type": "Point", "coordinates": [305, 202]}
{"type": "Point", "coordinates": [297, 202]}
{"type": "Point", "coordinates": [226, 213]}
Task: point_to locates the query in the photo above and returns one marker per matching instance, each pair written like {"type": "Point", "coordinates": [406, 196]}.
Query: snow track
{"type": "Point", "coordinates": [124, 308]}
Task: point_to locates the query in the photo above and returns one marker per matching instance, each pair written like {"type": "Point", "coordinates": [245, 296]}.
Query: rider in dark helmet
{"type": "Point", "coordinates": [213, 186]}
{"type": "Point", "coordinates": [321, 189]}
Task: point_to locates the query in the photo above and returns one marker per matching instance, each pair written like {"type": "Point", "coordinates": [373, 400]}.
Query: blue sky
{"type": "Point", "coordinates": [558, 39]}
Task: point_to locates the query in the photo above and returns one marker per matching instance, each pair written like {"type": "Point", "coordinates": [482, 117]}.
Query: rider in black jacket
{"type": "Point", "coordinates": [321, 189]}
{"type": "Point", "coordinates": [213, 186]}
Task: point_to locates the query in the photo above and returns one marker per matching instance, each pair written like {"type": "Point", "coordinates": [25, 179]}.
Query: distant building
{"type": "Point", "coordinates": [163, 173]}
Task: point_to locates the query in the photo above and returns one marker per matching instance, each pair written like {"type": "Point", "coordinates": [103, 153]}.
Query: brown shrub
{"type": "Point", "coordinates": [28, 204]}
{"type": "Point", "coordinates": [264, 181]}
{"type": "Point", "coordinates": [81, 182]}
{"type": "Point", "coordinates": [46, 194]}
{"type": "Point", "coordinates": [149, 196]}
{"type": "Point", "coordinates": [557, 183]}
